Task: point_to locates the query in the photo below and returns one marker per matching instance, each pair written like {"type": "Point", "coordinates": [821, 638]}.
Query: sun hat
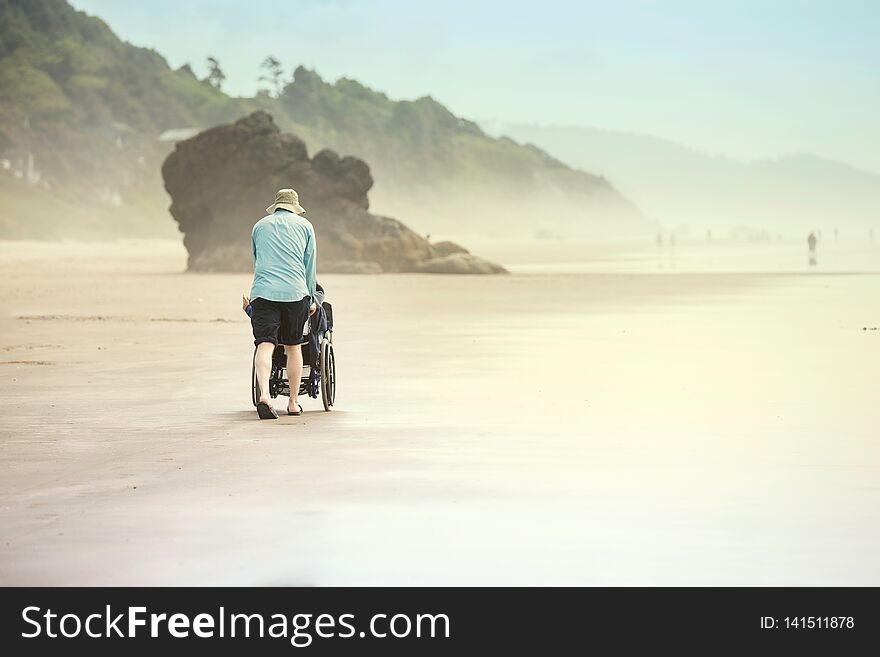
{"type": "Point", "coordinates": [286, 199]}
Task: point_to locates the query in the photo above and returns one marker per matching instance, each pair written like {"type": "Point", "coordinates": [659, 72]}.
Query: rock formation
{"type": "Point", "coordinates": [221, 180]}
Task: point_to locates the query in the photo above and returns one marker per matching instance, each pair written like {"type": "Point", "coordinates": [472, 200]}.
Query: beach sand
{"type": "Point", "coordinates": [613, 428]}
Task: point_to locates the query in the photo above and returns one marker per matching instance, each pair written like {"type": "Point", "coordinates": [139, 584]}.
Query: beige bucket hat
{"type": "Point", "coordinates": [286, 199]}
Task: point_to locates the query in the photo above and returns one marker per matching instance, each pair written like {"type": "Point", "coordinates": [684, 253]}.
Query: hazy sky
{"type": "Point", "coordinates": [748, 78]}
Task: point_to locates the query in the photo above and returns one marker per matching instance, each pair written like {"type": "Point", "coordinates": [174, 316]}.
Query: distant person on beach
{"type": "Point", "coordinates": [811, 243]}
{"type": "Point", "coordinates": [283, 292]}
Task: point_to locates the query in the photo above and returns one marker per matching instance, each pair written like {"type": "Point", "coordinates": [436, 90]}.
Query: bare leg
{"type": "Point", "coordinates": [263, 363]}
{"type": "Point", "coordinates": [294, 374]}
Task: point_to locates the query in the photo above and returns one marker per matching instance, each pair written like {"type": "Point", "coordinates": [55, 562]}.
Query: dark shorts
{"type": "Point", "coordinates": [279, 322]}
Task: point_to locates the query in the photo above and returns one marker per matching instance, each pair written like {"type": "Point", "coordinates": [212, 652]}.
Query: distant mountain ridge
{"type": "Point", "coordinates": [683, 187]}
{"type": "Point", "coordinates": [83, 112]}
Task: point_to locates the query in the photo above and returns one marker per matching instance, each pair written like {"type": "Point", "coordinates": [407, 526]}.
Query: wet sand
{"type": "Point", "coordinates": [597, 428]}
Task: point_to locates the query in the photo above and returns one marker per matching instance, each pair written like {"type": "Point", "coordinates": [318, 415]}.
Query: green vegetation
{"type": "Point", "coordinates": [91, 108]}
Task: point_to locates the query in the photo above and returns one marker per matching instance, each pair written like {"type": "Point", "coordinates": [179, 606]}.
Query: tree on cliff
{"type": "Point", "coordinates": [216, 76]}
{"type": "Point", "coordinates": [273, 74]}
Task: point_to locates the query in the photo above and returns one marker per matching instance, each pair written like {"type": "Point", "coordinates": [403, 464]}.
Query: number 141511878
{"type": "Point", "coordinates": [819, 622]}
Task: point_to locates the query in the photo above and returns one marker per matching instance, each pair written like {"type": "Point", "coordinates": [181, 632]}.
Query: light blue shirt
{"type": "Point", "coordinates": [284, 257]}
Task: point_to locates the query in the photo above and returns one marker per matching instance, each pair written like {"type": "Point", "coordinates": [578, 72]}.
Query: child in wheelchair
{"type": "Point", "coordinates": [319, 363]}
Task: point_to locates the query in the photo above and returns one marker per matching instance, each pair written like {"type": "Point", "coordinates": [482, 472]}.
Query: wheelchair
{"type": "Point", "coordinates": [318, 376]}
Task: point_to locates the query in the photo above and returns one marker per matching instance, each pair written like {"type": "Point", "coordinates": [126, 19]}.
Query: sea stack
{"type": "Point", "coordinates": [221, 180]}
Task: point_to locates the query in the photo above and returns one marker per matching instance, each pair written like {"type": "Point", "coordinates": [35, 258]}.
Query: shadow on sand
{"type": "Point", "coordinates": [250, 415]}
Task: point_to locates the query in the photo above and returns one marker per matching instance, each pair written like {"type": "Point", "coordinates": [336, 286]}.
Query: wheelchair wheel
{"type": "Point", "coordinates": [255, 392]}
{"type": "Point", "coordinates": [328, 374]}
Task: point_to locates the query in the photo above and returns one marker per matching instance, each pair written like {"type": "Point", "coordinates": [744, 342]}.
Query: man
{"type": "Point", "coordinates": [283, 293]}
